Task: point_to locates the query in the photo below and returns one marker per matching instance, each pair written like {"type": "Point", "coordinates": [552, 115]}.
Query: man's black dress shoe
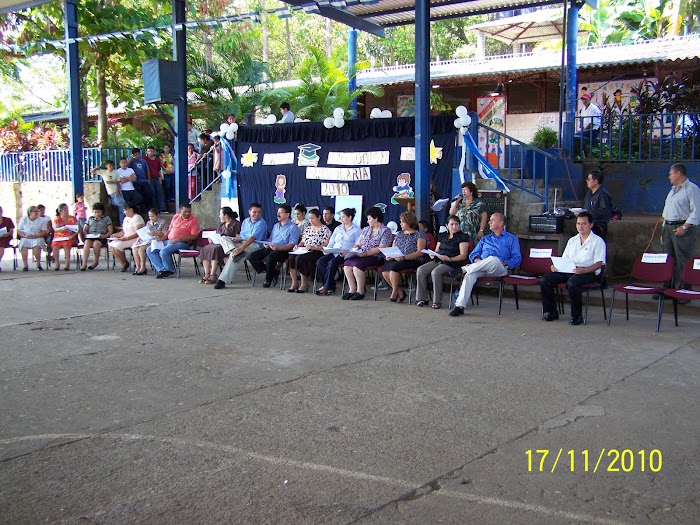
{"type": "Point", "coordinates": [266, 284]}
{"type": "Point", "coordinates": [219, 284]}
{"type": "Point", "coordinates": [551, 316]}
{"type": "Point", "coordinates": [576, 320]}
{"type": "Point", "coordinates": [457, 310]}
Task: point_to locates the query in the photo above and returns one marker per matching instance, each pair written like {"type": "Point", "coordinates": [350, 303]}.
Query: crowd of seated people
{"type": "Point", "coordinates": [316, 254]}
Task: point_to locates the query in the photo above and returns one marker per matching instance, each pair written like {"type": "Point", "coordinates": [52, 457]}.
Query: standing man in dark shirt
{"type": "Point", "coordinates": [154, 169]}
{"type": "Point", "coordinates": [143, 177]}
{"type": "Point", "coordinates": [329, 218]}
{"type": "Point", "coordinates": [599, 202]}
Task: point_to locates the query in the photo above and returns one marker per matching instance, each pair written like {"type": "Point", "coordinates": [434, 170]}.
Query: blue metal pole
{"type": "Point", "coordinates": [180, 153]}
{"type": "Point", "coordinates": [352, 63]}
{"type": "Point", "coordinates": [422, 101]}
{"type": "Point", "coordinates": [73, 70]}
{"type": "Point", "coordinates": [571, 78]}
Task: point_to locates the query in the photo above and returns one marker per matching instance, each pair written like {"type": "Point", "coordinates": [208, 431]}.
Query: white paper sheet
{"type": "Point", "coordinates": [334, 251]}
{"type": "Point", "coordinates": [540, 253]}
{"type": "Point", "coordinates": [92, 236]}
{"type": "Point", "coordinates": [563, 264]}
{"type": "Point", "coordinates": [440, 204]}
{"type": "Point", "coordinates": [299, 251]}
{"type": "Point", "coordinates": [431, 252]}
{"type": "Point", "coordinates": [696, 264]}
{"type": "Point", "coordinates": [157, 245]}
{"type": "Point", "coordinates": [214, 237]}
{"type": "Point", "coordinates": [391, 251]}
{"type": "Point", "coordinates": [144, 234]}
{"type": "Point", "coordinates": [3, 230]}
{"type": "Point", "coordinates": [638, 288]}
{"type": "Point", "coordinates": [73, 227]}
{"type": "Point", "coordinates": [654, 258]}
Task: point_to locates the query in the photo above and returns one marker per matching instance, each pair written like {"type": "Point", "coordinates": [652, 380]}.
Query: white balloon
{"type": "Point", "coordinates": [233, 127]}
{"type": "Point", "coordinates": [386, 114]}
{"type": "Point", "coordinates": [338, 112]}
{"type": "Point", "coordinates": [215, 134]}
{"type": "Point", "coordinates": [461, 111]}
{"type": "Point", "coordinates": [458, 123]}
{"type": "Point", "coordinates": [298, 120]}
{"type": "Point", "coordinates": [329, 122]}
{"type": "Point", "coordinates": [270, 119]}
{"type": "Point", "coordinates": [230, 134]}
{"type": "Point", "coordinates": [306, 120]}
{"type": "Point", "coordinates": [375, 113]}
{"type": "Point", "coordinates": [339, 122]}
{"type": "Point", "coordinates": [224, 127]}
{"type": "Point", "coordinates": [392, 226]}
{"type": "Point", "coordinates": [465, 120]}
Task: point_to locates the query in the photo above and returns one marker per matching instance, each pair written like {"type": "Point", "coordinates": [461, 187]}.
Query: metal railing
{"type": "Point", "coordinates": [202, 176]}
{"type": "Point", "coordinates": [54, 165]}
{"type": "Point", "coordinates": [640, 138]}
{"type": "Point", "coordinates": [519, 164]}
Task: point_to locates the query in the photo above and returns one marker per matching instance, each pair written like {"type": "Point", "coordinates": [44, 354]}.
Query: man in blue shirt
{"type": "Point", "coordinates": [269, 258]}
{"type": "Point", "coordinates": [287, 115]}
{"type": "Point", "coordinates": [253, 229]}
{"type": "Point", "coordinates": [143, 177]}
{"type": "Point", "coordinates": [493, 256]}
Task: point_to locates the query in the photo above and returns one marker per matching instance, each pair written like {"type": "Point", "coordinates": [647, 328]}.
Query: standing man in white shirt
{"type": "Point", "coordinates": [589, 123]}
{"type": "Point", "coordinates": [588, 253]}
{"type": "Point", "coordinates": [127, 177]}
{"type": "Point", "coordinates": [681, 216]}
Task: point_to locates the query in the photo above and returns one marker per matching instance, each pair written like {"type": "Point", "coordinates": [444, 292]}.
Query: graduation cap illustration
{"type": "Point", "coordinates": [307, 154]}
{"type": "Point", "coordinates": [381, 206]}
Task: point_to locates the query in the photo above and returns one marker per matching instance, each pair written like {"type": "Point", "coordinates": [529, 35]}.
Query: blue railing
{"type": "Point", "coordinates": [54, 165]}
{"type": "Point", "coordinates": [640, 138]}
{"type": "Point", "coordinates": [519, 164]}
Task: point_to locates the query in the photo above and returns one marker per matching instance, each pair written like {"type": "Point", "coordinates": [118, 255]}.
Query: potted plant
{"type": "Point", "coordinates": [545, 139]}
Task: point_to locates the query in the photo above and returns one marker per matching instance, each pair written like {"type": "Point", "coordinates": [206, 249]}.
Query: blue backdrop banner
{"type": "Point", "coordinates": [307, 163]}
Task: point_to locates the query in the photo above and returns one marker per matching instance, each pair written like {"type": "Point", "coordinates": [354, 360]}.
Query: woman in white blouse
{"type": "Point", "coordinates": [344, 238]}
{"type": "Point", "coordinates": [31, 231]}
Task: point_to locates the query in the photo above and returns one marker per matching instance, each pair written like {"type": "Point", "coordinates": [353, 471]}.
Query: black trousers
{"type": "Point", "coordinates": [266, 260]}
{"type": "Point", "coordinates": [574, 283]}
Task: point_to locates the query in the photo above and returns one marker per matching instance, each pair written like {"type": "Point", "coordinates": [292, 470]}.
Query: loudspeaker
{"type": "Point", "coordinates": [161, 81]}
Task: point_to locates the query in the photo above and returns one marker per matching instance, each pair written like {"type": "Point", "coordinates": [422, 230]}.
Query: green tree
{"type": "Point", "coordinates": [324, 87]}
{"type": "Point", "coordinates": [110, 70]}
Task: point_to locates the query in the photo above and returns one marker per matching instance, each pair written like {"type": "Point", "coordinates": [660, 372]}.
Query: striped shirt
{"type": "Point", "coordinates": [180, 227]}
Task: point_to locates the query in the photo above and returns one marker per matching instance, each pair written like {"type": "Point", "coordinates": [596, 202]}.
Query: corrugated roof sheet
{"type": "Point", "coordinates": [641, 52]}
{"type": "Point", "coordinates": [543, 24]}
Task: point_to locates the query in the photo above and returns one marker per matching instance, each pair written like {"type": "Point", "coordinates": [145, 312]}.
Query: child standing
{"type": "Point", "coordinates": [80, 212]}
{"type": "Point", "coordinates": [192, 157]}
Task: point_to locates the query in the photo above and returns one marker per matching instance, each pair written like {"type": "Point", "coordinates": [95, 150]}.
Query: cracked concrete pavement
{"type": "Point", "coordinates": [130, 399]}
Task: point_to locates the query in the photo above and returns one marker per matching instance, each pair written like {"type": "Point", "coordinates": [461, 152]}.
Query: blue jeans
{"type": "Point", "coordinates": [162, 260]}
{"type": "Point", "coordinates": [158, 195]}
{"type": "Point", "coordinates": [327, 267]}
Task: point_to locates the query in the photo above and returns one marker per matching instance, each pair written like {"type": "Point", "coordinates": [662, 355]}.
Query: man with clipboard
{"type": "Point", "coordinates": [581, 263]}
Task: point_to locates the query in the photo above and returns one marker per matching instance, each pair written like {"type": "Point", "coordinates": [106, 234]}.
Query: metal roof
{"type": "Point", "coordinates": [373, 15]}
{"type": "Point", "coordinates": [544, 24]}
{"type": "Point", "coordinates": [7, 6]}
{"type": "Point", "coordinates": [679, 48]}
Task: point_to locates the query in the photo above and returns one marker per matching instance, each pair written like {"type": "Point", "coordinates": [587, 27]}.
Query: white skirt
{"type": "Point", "coordinates": [31, 243]}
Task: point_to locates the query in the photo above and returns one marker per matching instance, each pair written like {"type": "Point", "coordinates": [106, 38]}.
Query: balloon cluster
{"type": "Point", "coordinates": [228, 130]}
{"type": "Point", "coordinates": [270, 119]}
{"type": "Point", "coordinates": [378, 113]}
{"type": "Point", "coordinates": [463, 119]}
{"type": "Point", "coordinates": [336, 120]}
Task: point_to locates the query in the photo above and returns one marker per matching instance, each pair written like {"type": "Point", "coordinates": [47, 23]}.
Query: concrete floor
{"type": "Point", "coordinates": [131, 399]}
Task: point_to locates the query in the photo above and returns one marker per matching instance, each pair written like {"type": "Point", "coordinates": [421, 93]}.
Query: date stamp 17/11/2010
{"type": "Point", "coordinates": [608, 460]}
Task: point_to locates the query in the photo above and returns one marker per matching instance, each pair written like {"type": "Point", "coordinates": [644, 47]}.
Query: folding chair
{"type": "Point", "coordinates": [598, 285]}
{"type": "Point", "coordinates": [375, 269]}
{"type": "Point", "coordinates": [535, 264]}
{"type": "Point", "coordinates": [690, 275]}
{"type": "Point", "coordinates": [409, 273]}
{"type": "Point", "coordinates": [647, 268]}
{"type": "Point", "coordinates": [193, 254]}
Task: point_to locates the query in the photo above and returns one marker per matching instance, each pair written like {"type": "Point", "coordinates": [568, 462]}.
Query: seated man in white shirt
{"type": "Point", "coordinates": [588, 253]}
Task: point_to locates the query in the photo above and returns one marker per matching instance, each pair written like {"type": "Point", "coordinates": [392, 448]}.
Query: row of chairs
{"type": "Point", "coordinates": [656, 269]}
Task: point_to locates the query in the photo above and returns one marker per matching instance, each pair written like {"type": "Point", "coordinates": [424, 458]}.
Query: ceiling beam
{"type": "Point", "coordinates": [343, 17]}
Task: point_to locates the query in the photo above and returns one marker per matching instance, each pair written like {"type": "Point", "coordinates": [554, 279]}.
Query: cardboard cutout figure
{"type": "Point", "coordinates": [280, 185]}
{"type": "Point", "coordinates": [402, 188]}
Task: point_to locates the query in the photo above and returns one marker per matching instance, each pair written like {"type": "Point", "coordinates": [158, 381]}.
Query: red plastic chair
{"type": "Point", "coordinates": [192, 254]}
{"type": "Point", "coordinates": [534, 268]}
{"type": "Point", "coordinates": [691, 276]}
{"type": "Point", "coordinates": [645, 272]}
